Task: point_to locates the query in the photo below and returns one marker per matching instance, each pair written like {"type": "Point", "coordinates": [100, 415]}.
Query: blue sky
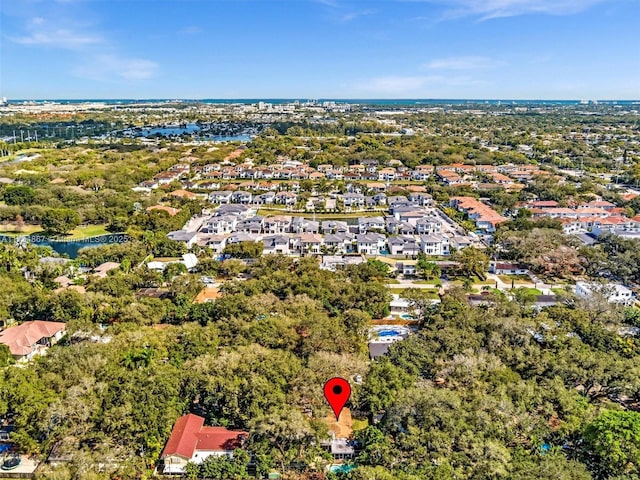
{"type": "Point", "coordinates": [525, 49]}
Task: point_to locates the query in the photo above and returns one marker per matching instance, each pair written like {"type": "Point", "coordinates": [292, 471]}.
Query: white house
{"type": "Point", "coordinates": [614, 292]}
{"type": "Point", "coordinates": [339, 242]}
{"type": "Point", "coordinates": [367, 224]}
{"type": "Point", "coordinates": [434, 244]}
{"type": "Point", "coordinates": [220, 197]}
{"type": "Point", "coordinates": [353, 200]}
{"type": "Point", "coordinates": [274, 244]}
{"type": "Point", "coordinates": [277, 224]}
{"type": "Point", "coordinates": [370, 243]}
{"type": "Point", "coordinates": [220, 225]}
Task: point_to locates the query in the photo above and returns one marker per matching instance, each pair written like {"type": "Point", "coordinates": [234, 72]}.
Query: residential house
{"type": "Point", "coordinates": [613, 292]}
{"type": "Point", "coordinates": [334, 226]}
{"type": "Point", "coordinates": [422, 199]}
{"type": "Point", "coordinates": [406, 228]}
{"type": "Point", "coordinates": [251, 225]}
{"type": "Point", "coordinates": [188, 238]}
{"type": "Point", "coordinates": [277, 224]}
{"type": "Point", "coordinates": [102, 269]}
{"type": "Point", "coordinates": [302, 225]}
{"type": "Point", "coordinates": [339, 242]}
{"type": "Point", "coordinates": [241, 211]}
{"type": "Point", "coordinates": [264, 199]}
{"type": "Point", "coordinates": [599, 204]}
{"type": "Point", "coordinates": [370, 243]}
{"type": "Point", "coordinates": [243, 198]}
{"type": "Point", "coordinates": [31, 338]}
{"type": "Point", "coordinates": [428, 225]}
{"type": "Point", "coordinates": [192, 441]}
{"type": "Point", "coordinates": [403, 246]}
{"type": "Point", "coordinates": [217, 243]}
{"type": "Point", "coordinates": [459, 242]}
{"type": "Point", "coordinates": [333, 262]}
{"type": "Point", "coordinates": [407, 267]}
{"type": "Point", "coordinates": [220, 197]}
{"type": "Point", "coordinates": [435, 244]}
{"type": "Point", "coordinates": [285, 198]}
{"type": "Point", "coordinates": [219, 225]}
{"type": "Point", "coordinates": [421, 175]}
{"type": "Point", "coordinates": [164, 178]}
{"type": "Point", "coordinates": [183, 194]}
{"type": "Point", "coordinates": [276, 244]}
{"type": "Point", "coordinates": [164, 208]}
{"type": "Point", "coordinates": [149, 184]}
{"type": "Point", "coordinates": [392, 224]}
{"type": "Point", "coordinates": [411, 217]}
{"type": "Point", "coordinates": [353, 200]}
{"type": "Point", "coordinates": [307, 243]}
{"type": "Point", "coordinates": [368, 224]}
{"type": "Point", "coordinates": [508, 268]}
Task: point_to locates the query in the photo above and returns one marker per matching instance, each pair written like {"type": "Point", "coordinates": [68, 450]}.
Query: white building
{"type": "Point", "coordinates": [615, 293]}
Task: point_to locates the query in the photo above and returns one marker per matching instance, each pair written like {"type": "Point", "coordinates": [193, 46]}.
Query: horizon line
{"type": "Point", "coordinates": [341, 99]}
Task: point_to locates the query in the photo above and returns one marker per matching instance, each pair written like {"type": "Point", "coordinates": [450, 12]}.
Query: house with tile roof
{"type": "Point", "coordinates": [32, 338]}
{"type": "Point", "coordinates": [192, 441]}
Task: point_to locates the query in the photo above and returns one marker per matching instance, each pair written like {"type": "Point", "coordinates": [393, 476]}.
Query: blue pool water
{"type": "Point", "coordinates": [406, 316]}
{"type": "Point", "coordinates": [388, 333]}
{"type": "Point", "coordinates": [5, 447]}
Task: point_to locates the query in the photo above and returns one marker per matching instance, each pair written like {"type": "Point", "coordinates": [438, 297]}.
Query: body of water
{"type": "Point", "coordinates": [69, 248]}
{"type": "Point", "coordinates": [189, 129]}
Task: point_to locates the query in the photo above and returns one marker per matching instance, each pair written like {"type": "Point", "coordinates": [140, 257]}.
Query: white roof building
{"type": "Point", "coordinates": [614, 292]}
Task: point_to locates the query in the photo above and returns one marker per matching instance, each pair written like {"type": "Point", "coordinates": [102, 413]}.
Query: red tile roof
{"type": "Point", "coordinates": [22, 338]}
{"type": "Point", "coordinates": [189, 434]}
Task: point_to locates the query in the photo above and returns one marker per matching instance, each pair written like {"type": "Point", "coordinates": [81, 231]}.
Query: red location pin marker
{"type": "Point", "coordinates": [337, 392]}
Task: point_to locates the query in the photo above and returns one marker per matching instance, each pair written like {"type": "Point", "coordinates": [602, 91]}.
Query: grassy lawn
{"type": "Point", "coordinates": [534, 291]}
{"type": "Point", "coordinates": [391, 281]}
{"type": "Point", "coordinates": [559, 291]}
{"type": "Point", "coordinates": [433, 281]}
{"type": "Point", "coordinates": [85, 231]}
{"type": "Point", "coordinates": [517, 279]}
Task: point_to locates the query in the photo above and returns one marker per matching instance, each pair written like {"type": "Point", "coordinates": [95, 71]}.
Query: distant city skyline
{"type": "Point", "coordinates": [195, 49]}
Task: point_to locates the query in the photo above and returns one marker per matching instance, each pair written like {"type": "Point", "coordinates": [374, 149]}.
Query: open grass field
{"type": "Point", "coordinates": [83, 231]}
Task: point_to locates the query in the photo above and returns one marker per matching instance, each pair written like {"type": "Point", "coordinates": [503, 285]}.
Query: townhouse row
{"type": "Point", "coordinates": [408, 229]}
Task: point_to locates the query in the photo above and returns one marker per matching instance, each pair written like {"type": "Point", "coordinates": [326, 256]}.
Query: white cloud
{"type": "Point", "coordinates": [40, 32]}
{"type": "Point", "coordinates": [349, 16]}
{"type": "Point", "coordinates": [113, 67]}
{"type": "Point", "coordinates": [463, 63]}
{"type": "Point", "coordinates": [59, 38]}
{"type": "Point", "coordinates": [487, 9]}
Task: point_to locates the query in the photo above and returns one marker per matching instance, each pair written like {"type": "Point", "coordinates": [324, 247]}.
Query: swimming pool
{"type": "Point", "coordinates": [388, 333]}
{"type": "Point", "coordinates": [406, 316]}
{"type": "Point", "coordinates": [5, 447]}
